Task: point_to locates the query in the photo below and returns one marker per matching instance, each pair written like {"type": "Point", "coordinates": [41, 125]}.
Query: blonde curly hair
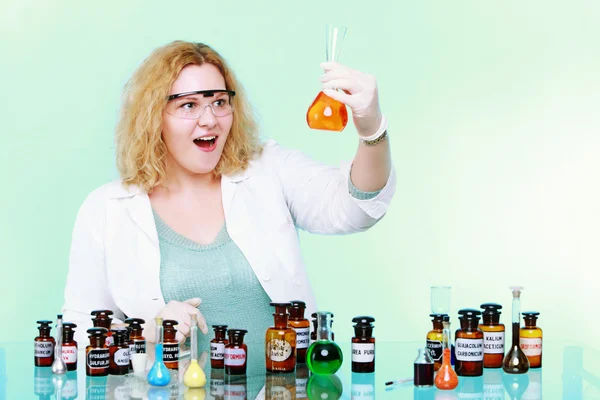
{"type": "Point", "coordinates": [139, 145]}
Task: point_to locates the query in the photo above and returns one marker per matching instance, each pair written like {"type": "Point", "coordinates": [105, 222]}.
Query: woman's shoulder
{"type": "Point", "coordinates": [98, 197]}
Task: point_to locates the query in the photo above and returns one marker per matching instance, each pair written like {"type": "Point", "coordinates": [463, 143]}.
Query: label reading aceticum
{"type": "Point", "coordinates": [363, 352]}
{"type": "Point", "coordinates": [235, 357]}
{"type": "Point", "coordinates": [493, 342]}
{"type": "Point", "coordinates": [435, 349]}
{"type": "Point", "coordinates": [43, 349]}
{"type": "Point", "coordinates": [469, 349]}
{"type": "Point", "coordinates": [217, 351]}
{"type": "Point", "coordinates": [531, 346]}
{"type": "Point", "coordinates": [302, 338]}
{"type": "Point", "coordinates": [98, 359]}
{"type": "Point", "coordinates": [170, 352]}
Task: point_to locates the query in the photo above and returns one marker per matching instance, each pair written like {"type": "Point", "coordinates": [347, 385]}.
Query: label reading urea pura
{"type": "Point", "coordinates": [531, 346]}
{"type": "Point", "coordinates": [493, 342]}
{"type": "Point", "coordinates": [363, 352]}
{"type": "Point", "coordinates": [435, 349]}
{"type": "Point", "coordinates": [469, 349]}
{"type": "Point", "coordinates": [301, 388]}
{"type": "Point", "coordinates": [140, 346]}
{"type": "Point", "coordinates": [235, 357]}
{"type": "Point", "coordinates": [121, 357]}
{"type": "Point", "coordinates": [302, 338]}
{"type": "Point", "coordinates": [69, 354]}
{"type": "Point", "coordinates": [170, 352]}
{"type": "Point", "coordinates": [217, 351]}
{"type": "Point", "coordinates": [98, 359]}
{"type": "Point", "coordinates": [43, 349]}
{"type": "Point", "coordinates": [279, 350]}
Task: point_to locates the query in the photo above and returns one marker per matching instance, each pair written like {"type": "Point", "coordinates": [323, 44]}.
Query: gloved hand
{"type": "Point", "coordinates": [359, 93]}
{"type": "Point", "coordinates": [180, 312]}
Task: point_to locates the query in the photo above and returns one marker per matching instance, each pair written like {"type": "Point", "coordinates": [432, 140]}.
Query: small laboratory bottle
{"type": "Point", "coordinates": [236, 352]}
{"type": "Point", "coordinates": [43, 353]}
{"type": "Point", "coordinates": [469, 345]}
{"type": "Point", "coordinates": [217, 347]}
{"type": "Point", "coordinates": [102, 319]}
{"type": "Point", "coordinates": [97, 358]}
{"type": "Point", "coordinates": [136, 334]}
{"type": "Point", "coordinates": [446, 378]}
{"type": "Point", "coordinates": [423, 368]}
{"type": "Point", "coordinates": [313, 334]}
{"type": "Point", "coordinates": [515, 361]}
{"type": "Point", "coordinates": [69, 346]}
{"type": "Point", "coordinates": [119, 353]}
{"type": "Point", "coordinates": [324, 356]}
{"type": "Point", "coordinates": [531, 339]}
{"type": "Point", "coordinates": [363, 345]}
{"type": "Point", "coordinates": [493, 335]}
{"type": "Point", "coordinates": [280, 342]}
{"type": "Point", "coordinates": [434, 340]}
{"type": "Point", "coordinates": [170, 344]}
{"type": "Point", "coordinates": [301, 325]}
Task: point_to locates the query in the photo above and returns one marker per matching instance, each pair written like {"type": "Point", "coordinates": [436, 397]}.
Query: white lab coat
{"type": "Point", "coordinates": [115, 256]}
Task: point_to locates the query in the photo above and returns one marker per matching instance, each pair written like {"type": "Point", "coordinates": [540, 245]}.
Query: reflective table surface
{"type": "Point", "coordinates": [568, 372]}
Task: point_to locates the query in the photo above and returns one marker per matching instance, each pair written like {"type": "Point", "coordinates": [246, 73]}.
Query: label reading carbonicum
{"type": "Point", "coordinates": [363, 352]}
{"type": "Point", "coordinates": [235, 357]}
{"type": "Point", "coordinates": [217, 351]}
{"type": "Point", "coordinates": [531, 346]}
{"type": "Point", "coordinates": [98, 359]}
{"type": "Point", "coordinates": [493, 342]}
{"type": "Point", "coordinates": [302, 338]}
{"type": "Point", "coordinates": [435, 349]}
{"type": "Point", "coordinates": [43, 349]}
{"type": "Point", "coordinates": [469, 349]}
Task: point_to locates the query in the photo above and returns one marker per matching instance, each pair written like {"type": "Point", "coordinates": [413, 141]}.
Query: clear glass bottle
{"type": "Point", "coordinates": [434, 340]}
{"type": "Point", "coordinates": [217, 347]}
{"type": "Point", "coordinates": [469, 345]}
{"type": "Point", "coordinates": [236, 353]}
{"type": "Point", "coordinates": [58, 365]}
{"type": "Point", "coordinates": [170, 344]}
{"type": "Point", "coordinates": [446, 378]}
{"type": "Point", "coordinates": [363, 345]}
{"type": "Point", "coordinates": [280, 342]}
{"type": "Point", "coordinates": [301, 325]}
{"type": "Point", "coordinates": [194, 376]}
{"type": "Point", "coordinates": [43, 355]}
{"type": "Point", "coordinates": [531, 339]}
{"type": "Point", "coordinates": [493, 335]}
{"type": "Point", "coordinates": [97, 359]}
{"type": "Point", "coordinates": [515, 361]}
{"type": "Point", "coordinates": [423, 368]}
{"type": "Point", "coordinates": [324, 356]}
{"type": "Point", "coordinates": [159, 373]}
{"type": "Point", "coordinates": [69, 346]}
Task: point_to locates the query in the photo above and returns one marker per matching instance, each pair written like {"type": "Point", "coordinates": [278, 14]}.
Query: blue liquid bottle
{"type": "Point", "coordinates": [159, 374]}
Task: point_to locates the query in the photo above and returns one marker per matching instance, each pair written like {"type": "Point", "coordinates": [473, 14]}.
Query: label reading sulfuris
{"type": "Point", "coordinates": [493, 342]}
{"type": "Point", "coordinates": [170, 352]}
{"type": "Point", "coordinates": [99, 358]}
{"type": "Point", "coordinates": [43, 349]}
{"type": "Point", "coordinates": [302, 338]}
{"type": "Point", "coordinates": [363, 352]}
{"type": "Point", "coordinates": [469, 349]}
{"type": "Point", "coordinates": [435, 349]}
{"type": "Point", "coordinates": [217, 351]}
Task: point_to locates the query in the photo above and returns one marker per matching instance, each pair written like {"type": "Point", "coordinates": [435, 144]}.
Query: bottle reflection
{"type": "Point", "coordinates": [235, 387]}
{"type": "Point", "coordinates": [194, 394]}
{"type": "Point", "coordinates": [69, 388]}
{"type": "Point", "coordinates": [515, 385]}
{"type": "Point", "coordinates": [301, 380]}
{"type": "Point", "coordinates": [424, 393]}
{"type": "Point", "coordinates": [574, 374]}
{"type": "Point", "coordinates": [363, 386]}
{"type": "Point", "coordinates": [324, 387]}
{"type": "Point", "coordinates": [470, 387]}
{"type": "Point", "coordinates": [492, 384]}
{"type": "Point", "coordinates": [42, 383]}
{"type": "Point", "coordinates": [217, 383]}
{"type": "Point", "coordinates": [534, 390]}
{"type": "Point", "coordinates": [117, 388]}
{"type": "Point", "coordinates": [95, 387]}
{"type": "Point", "coordinates": [280, 386]}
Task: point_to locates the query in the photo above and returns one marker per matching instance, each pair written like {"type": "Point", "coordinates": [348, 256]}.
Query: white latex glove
{"type": "Point", "coordinates": [359, 93]}
{"type": "Point", "coordinates": [182, 313]}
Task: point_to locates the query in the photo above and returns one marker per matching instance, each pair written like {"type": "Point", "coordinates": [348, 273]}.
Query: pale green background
{"type": "Point", "coordinates": [493, 113]}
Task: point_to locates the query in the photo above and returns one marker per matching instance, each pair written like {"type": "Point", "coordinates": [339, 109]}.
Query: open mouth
{"type": "Point", "coordinates": [205, 142]}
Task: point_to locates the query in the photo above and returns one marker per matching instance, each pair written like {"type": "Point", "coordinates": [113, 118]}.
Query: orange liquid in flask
{"type": "Point", "coordinates": [327, 114]}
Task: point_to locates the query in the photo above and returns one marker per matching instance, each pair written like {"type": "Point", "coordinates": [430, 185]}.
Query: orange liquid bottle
{"type": "Point", "coordinates": [446, 378]}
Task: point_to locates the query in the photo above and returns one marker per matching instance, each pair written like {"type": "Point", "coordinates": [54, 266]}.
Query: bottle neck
{"type": "Point", "coordinates": [363, 332]}
{"type": "Point", "coordinates": [491, 319]}
{"type": "Point", "coordinates": [169, 334]}
{"type": "Point", "coordinates": [136, 332]}
{"type": "Point", "coordinates": [437, 325]}
{"type": "Point", "coordinates": [446, 336]}
{"type": "Point", "coordinates": [236, 340]}
{"type": "Point", "coordinates": [530, 323]}
{"type": "Point", "coordinates": [296, 313]}
{"type": "Point", "coordinates": [516, 309]}
{"type": "Point", "coordinates": [102, 322]}
{"type": "Point", "coordinates": [97, 341]}
{"type": "Point", "coordinates": [220, 335]}
{"type": "Point", "coordinates": [281, 321]}
{"type": "Point", "coordinates": [68, 336]}
{"type": "Point", "coordinates": [44, 331]}
{"type": "Point", "coordinates": [324, 331]}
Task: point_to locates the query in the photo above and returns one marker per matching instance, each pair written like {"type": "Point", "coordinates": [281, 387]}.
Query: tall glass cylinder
{"type": "Point", "coordinates": [515, 361]}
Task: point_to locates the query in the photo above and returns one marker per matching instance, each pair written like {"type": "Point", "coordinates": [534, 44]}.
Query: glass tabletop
{"type": "Point", "coordinates": [567, 373]}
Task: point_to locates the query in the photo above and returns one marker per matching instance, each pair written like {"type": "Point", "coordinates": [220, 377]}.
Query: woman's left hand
{"type": "Point", "coordinates": [359, 93]}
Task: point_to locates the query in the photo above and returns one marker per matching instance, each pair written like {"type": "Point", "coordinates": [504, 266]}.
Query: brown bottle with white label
{"type": "Point", "coordinates": [301, 325]}
{"type": "Point", "coordinates": [118, 353]}
{"type": "Point", "coordinates": [469, 345]}
{"type": "Point", "coordinates": [43, 353]}
{"type": "Point", "coordinates": [280, 342]}
{"type": "Point", "coordinates": [170, 344]}
{"type": "Point", "coordinates": [493, 335]}
{"type": "Point", "coordinates": [363, 345]}
{"type": "Point", "coordinates": [530, 339]}
{"type": "Point", "coordinates": [69, 346]}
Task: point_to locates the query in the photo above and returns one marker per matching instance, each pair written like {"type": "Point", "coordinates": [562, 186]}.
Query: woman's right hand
{"type": "Point", "coordinates": [180, 311]}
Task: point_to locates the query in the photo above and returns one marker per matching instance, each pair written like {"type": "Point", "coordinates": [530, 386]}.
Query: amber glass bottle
{"type": "Point", "coordinates": [217, 347]}
{"type": "Point", "coordinates": [102, 319]}
{"type": "Point", "coordinates": [97, 358]}
{"type": "Point", "coordinates": [301, 325]}
{"type": "Point", "coordinates": [119, 353]}
{"type": "Point", "coordinates": [136, 334]}
{"type": "Point", "coordinates": [530, 339]}
{"type": "Point", "coordinates": [469, 345]}
{"type": "Point", "coordinates": [170, 344]}
{"type": "Point", "coordinates": [43, 355]}
{"type": "Point", "coordinates": [69, 346]}
{"type": "Point", "coordinates": [280, 342]}
{"type": "Point", "coordinates": [493, 336]}
{"type": "Point", "coordinates": [363, 345]}
{"type": "Point", "coordinates": [435, 340]}
{"type": "Point", "coordinates": [236, 352]}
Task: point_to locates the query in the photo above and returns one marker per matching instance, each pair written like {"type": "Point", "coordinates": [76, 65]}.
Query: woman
{"type": "Point", "coordinates": [203, 220]}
